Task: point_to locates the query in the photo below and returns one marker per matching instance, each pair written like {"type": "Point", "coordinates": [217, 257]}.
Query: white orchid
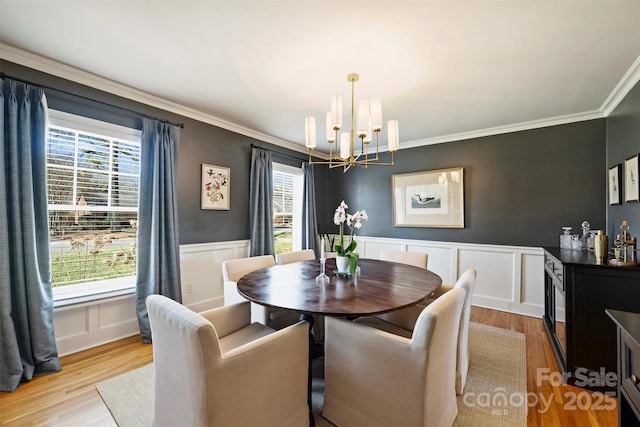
{"type": "Point", "coordinates": [354, 222]}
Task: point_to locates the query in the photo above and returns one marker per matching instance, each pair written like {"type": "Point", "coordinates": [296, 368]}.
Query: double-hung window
{"type": "Point", "coordinates": [287, 208]}
{"type": "Point", "coordinates": [93, 172]}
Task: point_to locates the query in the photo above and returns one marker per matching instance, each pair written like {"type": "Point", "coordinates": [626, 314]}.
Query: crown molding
{"type": "Point", "coordinates": [535, 124]}
{"type": "Point", "coordinates": [46, 65]}
{"type": "Point", "coordinates": [624, 86]}
{"type": "Point", "coordinates": [58, 69]}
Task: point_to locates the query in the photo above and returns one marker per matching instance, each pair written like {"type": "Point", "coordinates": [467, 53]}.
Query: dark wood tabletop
{"type": "Point", "coordinates": [382, 286]}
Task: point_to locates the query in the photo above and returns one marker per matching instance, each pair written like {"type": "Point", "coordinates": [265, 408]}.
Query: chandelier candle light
{"type": "Point", "coordinates": [369, 122]}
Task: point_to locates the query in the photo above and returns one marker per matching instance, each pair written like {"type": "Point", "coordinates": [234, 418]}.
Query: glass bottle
{"type": "Point", "coordinates": [565, 238]}
{"type": "Point", "coordinates": [584, 239]}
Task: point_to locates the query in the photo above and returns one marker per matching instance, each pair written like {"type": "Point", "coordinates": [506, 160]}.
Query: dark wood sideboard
{"type": "Point", "coordinates": [577, 293]}
{"type": "Point", "coordinates": [628, 367]}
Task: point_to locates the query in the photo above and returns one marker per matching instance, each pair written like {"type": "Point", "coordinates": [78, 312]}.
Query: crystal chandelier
{"type": "Point", "coordinates": [369, 122]}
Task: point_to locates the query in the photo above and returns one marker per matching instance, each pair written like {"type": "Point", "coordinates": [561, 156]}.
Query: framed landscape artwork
{"type": "Point", "coordinates": [429, 199]}
{"type": "Point", "coordinates": [615, 177]}
{"type": "Point", "coordinates": [631, 179]}
{"type": "Point", "coordinates": [214, 188]}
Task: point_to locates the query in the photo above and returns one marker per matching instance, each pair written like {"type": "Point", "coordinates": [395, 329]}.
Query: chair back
{"type": "Point", "coordinates": [412, 258]}
{"type": "Point", "coordinates": [234, 269]}
{"type": "Point", "coordinates": [466, 282]}
{"type": "Point", "coordinates": [436, 330]}
{"type": "Point", "coordinates": [295, 256]}
{"type": "Point", "coordinates": [185, 344]}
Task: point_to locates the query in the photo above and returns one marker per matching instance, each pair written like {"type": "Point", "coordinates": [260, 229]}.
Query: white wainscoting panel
{"type": "Point", "coordinates": [92, 323]}
{"type": "Point", "coordinates": [510, 278]}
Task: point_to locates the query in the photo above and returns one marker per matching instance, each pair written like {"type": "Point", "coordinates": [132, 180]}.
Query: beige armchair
{"type": "Point", "coordinates": [406, 319]}
{"type": "Point", "coordinates": [295, 256]}
{"type": "Point", "coordinates": [377, 374]}
{"type": "Point", "coordinates": [304, 255]}
{"type": "Point", "coordinates": [233, 270]}
{"type": "Point", "coordinates": [416, 259]}
{"type": "Point", "coordinates": [218, 369]}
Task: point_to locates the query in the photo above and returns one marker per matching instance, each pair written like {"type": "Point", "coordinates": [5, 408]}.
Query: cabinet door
{"type": "Point", "coordinates": [592, 333]}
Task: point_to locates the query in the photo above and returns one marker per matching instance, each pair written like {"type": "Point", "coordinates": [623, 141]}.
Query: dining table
{"type": "Point", "coordinates": [377, 287]}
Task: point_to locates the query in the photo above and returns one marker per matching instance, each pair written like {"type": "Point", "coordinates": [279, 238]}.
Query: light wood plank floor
{"type": "Point", "coordinates": [69, 398]}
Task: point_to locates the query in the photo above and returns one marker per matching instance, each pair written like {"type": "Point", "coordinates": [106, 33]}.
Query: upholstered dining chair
{"type": "Point", "coordinates": [233, 270]}
{"type": "Point", "coordinates": [217, 368]}
{"type": "Point", "coordinates": [377, 374]}
{"type": "Point", "coordinates": [406, 319]}
{"type": "Point", "coordinates": [304, 255]}
{"type": "Point", "coordinates": [416, 259]}
{"type": "Point", "coordinates": [295, 256]}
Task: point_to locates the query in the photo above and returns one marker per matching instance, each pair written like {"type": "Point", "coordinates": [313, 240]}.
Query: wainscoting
{"type": "Point", "coordinates": [510, 278]}
{"type": "Point", "coordinates": [89, 324]}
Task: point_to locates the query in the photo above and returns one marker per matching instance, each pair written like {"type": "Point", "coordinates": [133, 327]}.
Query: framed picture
{"type": "Point", "coordinates": [429, 199]}
{"type": "Point", "coordinates": [631, 179]}
{"type": "Point", "coordinates": [214, 189]}
{"type": "Point", "coordinates": [615, 177]}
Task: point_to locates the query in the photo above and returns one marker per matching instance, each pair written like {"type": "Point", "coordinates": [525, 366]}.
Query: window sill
{"type": "Point", "coordinates": [91, 292]}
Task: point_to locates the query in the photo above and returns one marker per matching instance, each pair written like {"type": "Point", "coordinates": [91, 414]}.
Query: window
{"type": "Point", "coordinates": [92, 187]}
{"type": "Point", "coordinates": [287, 208]}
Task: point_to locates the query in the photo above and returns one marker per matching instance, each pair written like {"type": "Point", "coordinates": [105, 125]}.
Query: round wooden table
{"type": "Point", "coordinates": [382, 286]}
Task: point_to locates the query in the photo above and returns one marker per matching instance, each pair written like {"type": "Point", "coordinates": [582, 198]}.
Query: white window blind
{"type": "Point", "coordinates": [287, 206]}
{"type": "Point", "coordinates": [92, 177]}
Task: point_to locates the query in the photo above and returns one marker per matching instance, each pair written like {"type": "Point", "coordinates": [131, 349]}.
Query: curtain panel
{"type": "Point", "coordinates": [27, 338]}
{"type": "Point", "coordinates": [260, 203]}
{"type": "Point", "coordinates": [158, 263]}
{"type": "Point", "coordinates": [309, 216]}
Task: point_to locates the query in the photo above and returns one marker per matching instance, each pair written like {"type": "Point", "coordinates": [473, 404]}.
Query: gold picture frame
{"type": "Point", "coordinates": [429, 199]}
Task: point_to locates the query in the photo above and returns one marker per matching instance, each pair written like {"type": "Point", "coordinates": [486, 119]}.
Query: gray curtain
{"type": "Point", "coordinates": [309, 219]}
{"type": "Point", "coordinates": [260, 201]}
{"type": "Point", "coordinates": [158, 263]}
{"type": "Point", "coordinates": [27, 339]}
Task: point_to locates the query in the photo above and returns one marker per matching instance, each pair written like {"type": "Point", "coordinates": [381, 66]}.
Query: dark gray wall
{"type": "Point", "coordinates": [623, 141]}
{"type": "Point", "coordinates": [520, 188]}
{"type": "Point", "coordinates": [199, 143]}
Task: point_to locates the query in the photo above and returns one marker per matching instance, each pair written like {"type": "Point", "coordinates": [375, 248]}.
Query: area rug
{"type": "Point", "coordinates": [495, 393]}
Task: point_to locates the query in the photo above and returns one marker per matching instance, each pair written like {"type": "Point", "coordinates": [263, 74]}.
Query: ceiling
{"type": "Point", "coordinates": [445, 70]}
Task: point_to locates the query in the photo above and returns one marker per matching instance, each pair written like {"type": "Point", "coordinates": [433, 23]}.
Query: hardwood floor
{"type": "Point", "coordinates": [69, 397]}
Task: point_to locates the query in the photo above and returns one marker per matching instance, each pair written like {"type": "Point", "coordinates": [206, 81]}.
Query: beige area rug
{"type": "Point", "coordinates": [495, 394]}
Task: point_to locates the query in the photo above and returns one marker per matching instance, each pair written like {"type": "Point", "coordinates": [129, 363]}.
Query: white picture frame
{"type": "Point", "coordinates": [631, 193]}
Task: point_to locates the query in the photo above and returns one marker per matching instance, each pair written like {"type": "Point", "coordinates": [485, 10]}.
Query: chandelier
{"type": "Point", "coordinates": [369, 122]}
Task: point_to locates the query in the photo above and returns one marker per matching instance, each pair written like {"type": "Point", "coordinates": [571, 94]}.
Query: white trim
{"type": "Point", "coordinates": [498, 130]}
{"type": "Point", "coordinates": [628, 81]}
{"type": "Point", "coordinates": [92, 291]}
{"type": "Point", "coordinates": [28, 59]}
{"type": "Point", "coordinates": [76, 122]}
{"type": "Point", "coordinates": [49, 66]}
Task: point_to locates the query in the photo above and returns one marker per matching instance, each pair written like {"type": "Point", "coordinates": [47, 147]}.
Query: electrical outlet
{"type": "Point", "coordinates": [189, 288]}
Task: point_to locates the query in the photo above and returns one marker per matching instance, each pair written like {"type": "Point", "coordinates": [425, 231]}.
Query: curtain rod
{"type": "Point", "coordinates": [3, 75]}
{"type": "Point", "coordinates": [304, 159]}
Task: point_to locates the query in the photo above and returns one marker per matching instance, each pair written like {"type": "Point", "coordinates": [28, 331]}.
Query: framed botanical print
{"type": "Point", "coordinates": [214, 187]}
